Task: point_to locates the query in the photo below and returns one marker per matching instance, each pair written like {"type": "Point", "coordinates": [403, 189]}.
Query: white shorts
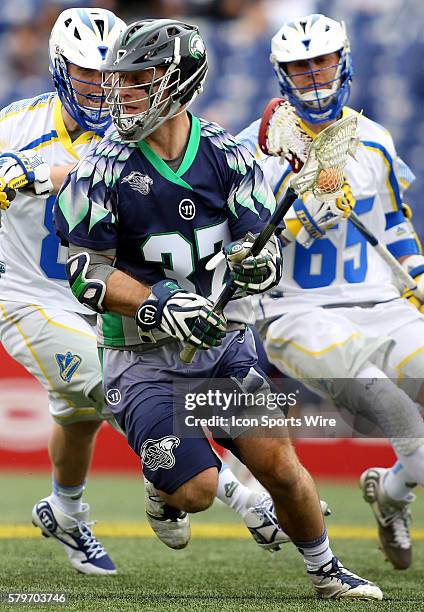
{"type": "Point", "coordinates": [327, 343]}
{"type": "Point", "coordinates": [58, 348]}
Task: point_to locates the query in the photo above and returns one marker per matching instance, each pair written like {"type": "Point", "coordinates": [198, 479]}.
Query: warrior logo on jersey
{"type": "Point", "coordinates": [68, 365]}
{"type": "Point", "coordinates": [158, 453]}
{"type": "Point", "coordinates": [138, 181]}
{"type": "Point", "coordinates": [187, 209]}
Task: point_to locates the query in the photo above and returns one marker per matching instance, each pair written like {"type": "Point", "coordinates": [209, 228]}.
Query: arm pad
{"type": "Point", "coordinates": [87, 279]}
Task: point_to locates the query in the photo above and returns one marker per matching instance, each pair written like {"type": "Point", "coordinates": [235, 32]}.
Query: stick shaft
{"type": "Point", "coordinates": [188, 352]}
{"type": "Point", "coordinates": [404, 279]}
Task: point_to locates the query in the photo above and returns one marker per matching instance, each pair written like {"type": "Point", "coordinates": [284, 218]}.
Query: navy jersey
{"type": "Point", "coordinates": [161, 223]}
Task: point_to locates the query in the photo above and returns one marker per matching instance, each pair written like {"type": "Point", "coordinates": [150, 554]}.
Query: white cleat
{"type": "Point", "coordinates": [393, 518]}
{"type": "Point", "coordinates": [333, 581]}
{"type": "Point", "coordinates": [84, 551]}
{"type": "Point", "coordinates": [172, 526]}
{"type": "Point", "coordinates": [262, 522]}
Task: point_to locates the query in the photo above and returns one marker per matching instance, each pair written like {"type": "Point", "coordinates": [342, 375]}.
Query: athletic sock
{"type": "Point", "coordinates": [68, 499]}
{"type": "Point", "coordinates": [316, 553]}
{"type": "Point", "coordinates": [233, 493]}
{"type": "Point", "coordinates": [397, 483]}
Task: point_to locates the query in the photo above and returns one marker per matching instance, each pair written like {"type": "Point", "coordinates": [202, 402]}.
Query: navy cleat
{"type": "Point", "coordinates": [84, 551]}
{"type": "Point", "coordinates": [333, 581]}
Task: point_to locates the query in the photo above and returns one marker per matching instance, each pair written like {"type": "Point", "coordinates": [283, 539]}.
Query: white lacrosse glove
{"type": "Point", "coordinates": [251, 274]}
{"type": "Point", "coordinates": [314, 218]}
{"type": "Point", "coordinates": [186, 316]}
{"type": "Point", "coordinates": [27, 171]}
{"type": "Point", "coordinates": [414, 265]}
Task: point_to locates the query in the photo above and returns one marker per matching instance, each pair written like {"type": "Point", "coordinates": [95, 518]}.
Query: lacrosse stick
{"type": "Point", "coordinates": [274, 142]}
{"type": "Point", "coordinates": [319, 164]}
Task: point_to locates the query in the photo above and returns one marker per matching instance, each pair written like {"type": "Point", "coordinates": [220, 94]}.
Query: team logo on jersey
{"type": "Point", "coordinates": [68, 365]}
{"type": "Point", "coordinates": [113, 396]}
{"type": "Point", "coordinates": [138, 181]}
{"type": "Point", "coordinates": [158, 453]}
{"type": "Point", "coordinates": [196, 46]}
{"type": "Point", "coordinates": [187, 209]}
{"type": "Point", "coordinates": [2, 267]}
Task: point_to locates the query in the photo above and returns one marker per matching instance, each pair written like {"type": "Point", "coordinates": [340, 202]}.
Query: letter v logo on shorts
{"type": "Point", "coordinates": [158, 453]}
{"type": "Point", "coordinates": [68, 365]}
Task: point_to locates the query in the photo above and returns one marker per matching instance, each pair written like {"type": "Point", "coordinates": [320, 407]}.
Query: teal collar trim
{"type": "Point", "coordinates": [189, 156]}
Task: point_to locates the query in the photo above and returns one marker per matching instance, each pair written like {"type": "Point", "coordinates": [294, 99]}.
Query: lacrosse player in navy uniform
{"type": "Point", "coordinates": [143, 214]}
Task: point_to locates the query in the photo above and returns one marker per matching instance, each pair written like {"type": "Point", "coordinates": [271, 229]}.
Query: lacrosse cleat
{"type": "Point", "coordinates": [84, 551]}
{"type": "Point", "coordinates": [393, 518]}
{"type": "Point", "coordinates": [262, 522]}
{"type": "Point", "coordinates": [333, 581]}
{"type": "Point", "coordinates": [172, 526]}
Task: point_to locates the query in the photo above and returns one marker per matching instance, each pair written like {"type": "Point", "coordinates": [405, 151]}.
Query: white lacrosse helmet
{"type": "Point", "coordinates": [302, 40]}
{"type": "Point", "coordinates": [82, 36]}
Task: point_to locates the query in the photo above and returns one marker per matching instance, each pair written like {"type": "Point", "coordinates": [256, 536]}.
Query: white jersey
{"type": "Point", "coordinates": [343, 268]}
{"type": "Point", "coordinates": [29, 247]}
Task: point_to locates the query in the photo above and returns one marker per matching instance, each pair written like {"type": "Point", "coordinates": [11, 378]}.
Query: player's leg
{"type": "Point", "coordinates": [255, 507]}
{"type": "Point", "coordinates": [273, 461]}
{"type": "Point", "coordinates": [180, 473]}
{"type": "Point", "coordinates": [336, 354]}
{"type": "Point", "coordinates": [389, 491]}
{"type": "Point", "coordinates": [59, 349]}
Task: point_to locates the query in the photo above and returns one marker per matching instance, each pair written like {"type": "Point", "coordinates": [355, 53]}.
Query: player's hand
{"type": "Point", "coordinates": [252, 274]}
{"type": "Point", "coordinates": [7, 195]}
{"type": "Point", "coordinates": [313, 219]}
{"type": "Point", "coordinates": [414, 265]}
{"type": "Point", "coordinates": [346, 203]}
{"type": "Point", "coordinates": [182, 315]}
{"type": "Point", "coordinates": [25, 170]}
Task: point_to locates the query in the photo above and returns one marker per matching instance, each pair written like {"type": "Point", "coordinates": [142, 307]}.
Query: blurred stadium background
{"type": "Point", "coordinates": [387, 39]}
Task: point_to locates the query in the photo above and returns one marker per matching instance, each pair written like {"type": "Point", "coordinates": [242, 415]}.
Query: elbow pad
{"type": "Point", "coordinates": [88, 291]}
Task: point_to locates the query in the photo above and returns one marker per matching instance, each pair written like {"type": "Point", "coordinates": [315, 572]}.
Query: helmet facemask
{"type": "Point", "coordinates": [318, 101]}
{"type": "Point", "coordinates": [156, 94]}
{"type": "Point", "coordinates": [89, 110]}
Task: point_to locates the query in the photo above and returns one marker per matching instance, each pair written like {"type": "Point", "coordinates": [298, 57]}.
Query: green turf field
{"type": "Point", "coordinates": [221, 570]}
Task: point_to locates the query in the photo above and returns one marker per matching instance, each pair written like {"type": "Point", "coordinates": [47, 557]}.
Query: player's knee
{"type": "Point", "coordinates": [81, 429]}
{"type": "Point", "coordinates": [279, 467]}
{"type": "Point", "coordinates": [198, 493]}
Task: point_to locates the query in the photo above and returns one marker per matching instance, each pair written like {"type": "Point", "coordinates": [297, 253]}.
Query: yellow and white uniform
{"type": "Point", "coordinates": [42, 325]}
{"type": "Point", "coordinates": [337, 306]}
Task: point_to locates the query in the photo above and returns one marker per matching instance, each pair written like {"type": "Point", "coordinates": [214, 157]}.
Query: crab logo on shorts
{"type": "Point", "coordinates": [138, 181]}
{"type": "Point", "coordinates": [68, 365]}
{"type": "Point", "coordinates": [158, 453]}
